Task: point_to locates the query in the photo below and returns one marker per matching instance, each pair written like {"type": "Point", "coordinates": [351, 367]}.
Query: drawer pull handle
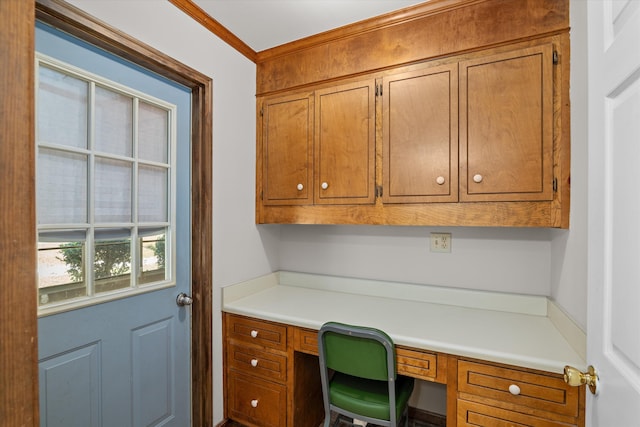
{"type": "Point", "coordinates": [254, 333]}
{"type": "Point", "coordinates": [254, 362]}
{"type": "Point", "coordinates": [254, 403]}
{"type": "Point", "coordinates": [514, 389]}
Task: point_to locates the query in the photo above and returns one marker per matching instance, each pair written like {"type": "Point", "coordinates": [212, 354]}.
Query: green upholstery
{"type": "Point", "coordinates": [369, 397]}
{"type": "Point", "coordinates": [364, 384]}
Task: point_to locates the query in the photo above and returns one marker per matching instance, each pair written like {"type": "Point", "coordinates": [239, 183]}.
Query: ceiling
{"type": "Point", "coordinates": [263, 24]}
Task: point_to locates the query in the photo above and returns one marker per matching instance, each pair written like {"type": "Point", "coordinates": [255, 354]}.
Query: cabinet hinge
{"type": "Point", "coordinates": [378, 190]}
{"type": "Point", "coordinates": [555, 185]}
{"type": "Point", "coordinates": [555, 57]}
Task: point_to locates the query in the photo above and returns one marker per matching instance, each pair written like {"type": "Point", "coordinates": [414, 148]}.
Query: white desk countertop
{"type": "Point", "coordinates": [526, 338]}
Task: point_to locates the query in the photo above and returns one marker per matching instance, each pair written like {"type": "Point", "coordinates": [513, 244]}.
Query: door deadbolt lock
{"type": "Point", "coordinates": [183, 299]}
{"type": "Point", "coordinates": [574, 377]}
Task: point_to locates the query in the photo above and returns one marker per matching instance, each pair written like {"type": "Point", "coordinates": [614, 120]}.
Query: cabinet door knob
{"type": "Point", "coordinates": [254, 403]}
{"type": "Point", "coordinates": [254, 333]}
{"type": "Point", "coordinates": [254, 362]}
{"type": "Point", "coordinates": [324, 185]}
{"type": "Point", "coordinates": [440, 180]}
{"type": "Point", "coordinates": [514, 389]}
{"type": "Point", "coordinates": [300, 187]}
{"type": "Point", "coordinates": [477, 178]}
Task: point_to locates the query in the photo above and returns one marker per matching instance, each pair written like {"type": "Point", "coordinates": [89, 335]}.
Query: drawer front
{"type": "Point", "coordinates": [537, 391]}
{"type": "Point", "coordinates": [307, 341]}
{"type": "Point", "coordinates": [472, 414]}
{"type": "Point", "coordinates": [256, 331]}
{"type": "Point", "coordinates": [253, 361]}
{"type": "Point", "coordinates": [255, 401]}
{"type": "Point", "coordinates": [417, 364]}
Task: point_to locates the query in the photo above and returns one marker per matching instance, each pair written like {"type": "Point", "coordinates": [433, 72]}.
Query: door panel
{"type": "Point", "coordinates": [613, 345]}
{"type": "Point", "coordinates": [124, 362]}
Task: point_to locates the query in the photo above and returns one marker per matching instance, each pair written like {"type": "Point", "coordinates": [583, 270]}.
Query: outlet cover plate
{"type": "Point", "coordinates": [441, 242]}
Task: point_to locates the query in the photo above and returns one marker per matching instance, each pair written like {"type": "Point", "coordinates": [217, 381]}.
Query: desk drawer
{"type": "Point", "coordinates": [472, 414]}
{"type": "Point", "coordinates": [416, 363]}
{"type": "Point", "coordinates": [306, 341]}
{"type": "Point", "coordinates": [253, 361]}
{"type": "Point", "coordinates": [536, 390]}
{"type": "Point", "coordinates": [255, 401]}
{"type": "Point", "coordinates": [258, 332]}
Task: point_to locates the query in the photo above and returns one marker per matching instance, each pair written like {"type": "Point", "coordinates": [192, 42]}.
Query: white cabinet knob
{"type": "Point", "coordinates": [324, 185]}
{"type": "Point", "coordinates": [300, 187]}
{"type": "Point", "coordinates": [440, 180]}
{"type": "Point", "coordinates": [254, 403]}
{"type": "Point", "coordinates": [254, 362]}
{"type": "Point", "coordinates": [254, 333]}
{"type": "Point", "coordinates": [477, 178]}
{"type": "Point", "coordinates": [514, 389]}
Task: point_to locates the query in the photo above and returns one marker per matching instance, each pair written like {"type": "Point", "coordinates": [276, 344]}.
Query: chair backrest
{"type": "Point", "coordinates": [356, 350]}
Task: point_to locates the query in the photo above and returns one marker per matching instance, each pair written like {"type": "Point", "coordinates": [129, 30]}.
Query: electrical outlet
{"type": "Point", "coordinates": [440, 242]}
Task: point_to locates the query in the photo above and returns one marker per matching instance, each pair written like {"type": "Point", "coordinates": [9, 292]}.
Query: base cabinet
{"type": "Point", "coordinates": [273, 380]}
{"type": "Point", "coordinates": [491, 395]}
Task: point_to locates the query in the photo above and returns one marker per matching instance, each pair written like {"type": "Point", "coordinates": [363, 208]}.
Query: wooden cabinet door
{"type": "Point", "coordinates": [420, 136]}
{"type": "Point", "coordinates": [345, 144]}
{"type": "Point", "coordinates": [287, 150]}
{"type": "Point", "coordinates": [506, 126]}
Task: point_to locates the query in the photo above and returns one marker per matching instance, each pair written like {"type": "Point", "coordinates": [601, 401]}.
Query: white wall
{"type": "Point", "coordinates": [529, 261]}
{"type": "Point", "coordinates": [240, 251]}
{"type": "Point", "coordinates": [496, 259]}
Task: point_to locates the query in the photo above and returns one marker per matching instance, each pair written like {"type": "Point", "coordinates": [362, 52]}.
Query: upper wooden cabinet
{"type": "Point", "coordinates": [287, 150]}
{"type": "Point", "coordinates": [345, 144]}
{"type": "Point", "coordinates": [477, 136]}
{"type": "Point", "coordinates": [420, 135]}
{"type": "Point", "coordinates": [506, 126]}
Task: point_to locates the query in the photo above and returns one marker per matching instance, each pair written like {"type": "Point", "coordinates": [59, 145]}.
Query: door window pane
{"type": "Point", "coordinates": [61, 187]}
{"type": "Point", "coordinates": [152, 193]}
{"type": "Point", "coordinates": [153, 257]}
{"type": "Point", "coordinates": [113, 122]}
{"type": "Point", "coordinates": [61, 261]}
{"type": "Point", "coordinates": [62, 108]}
{"type": "Point", "coordinates": [153, 125]}
{"type": "Point", "coordinates": [112, 260]}
{"type": "Point", "coordinates": [113, 190]}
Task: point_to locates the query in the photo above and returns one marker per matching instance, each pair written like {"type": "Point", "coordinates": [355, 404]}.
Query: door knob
{"type": "Point", "coordinates": [183, 299]}
{"type": "Point", "coordinates": [574, 377]}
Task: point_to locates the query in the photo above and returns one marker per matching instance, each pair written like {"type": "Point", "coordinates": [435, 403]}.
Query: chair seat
{"type": "Point", "coordinates": [369, 397]}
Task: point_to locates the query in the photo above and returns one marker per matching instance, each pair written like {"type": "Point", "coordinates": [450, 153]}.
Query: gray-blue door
{"type": "Point", "coordinates": [123, 360]}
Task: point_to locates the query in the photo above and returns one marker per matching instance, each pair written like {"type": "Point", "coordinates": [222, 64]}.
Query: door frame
{"type": "Point", "coordinates": [18, 343]}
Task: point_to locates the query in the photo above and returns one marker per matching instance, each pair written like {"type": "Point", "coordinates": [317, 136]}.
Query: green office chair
{"type": "Point", "coordinates": [364, 384]}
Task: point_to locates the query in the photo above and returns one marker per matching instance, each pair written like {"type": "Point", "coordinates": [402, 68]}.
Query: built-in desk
{"type": "Point", "coordinates": [480, 344]}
